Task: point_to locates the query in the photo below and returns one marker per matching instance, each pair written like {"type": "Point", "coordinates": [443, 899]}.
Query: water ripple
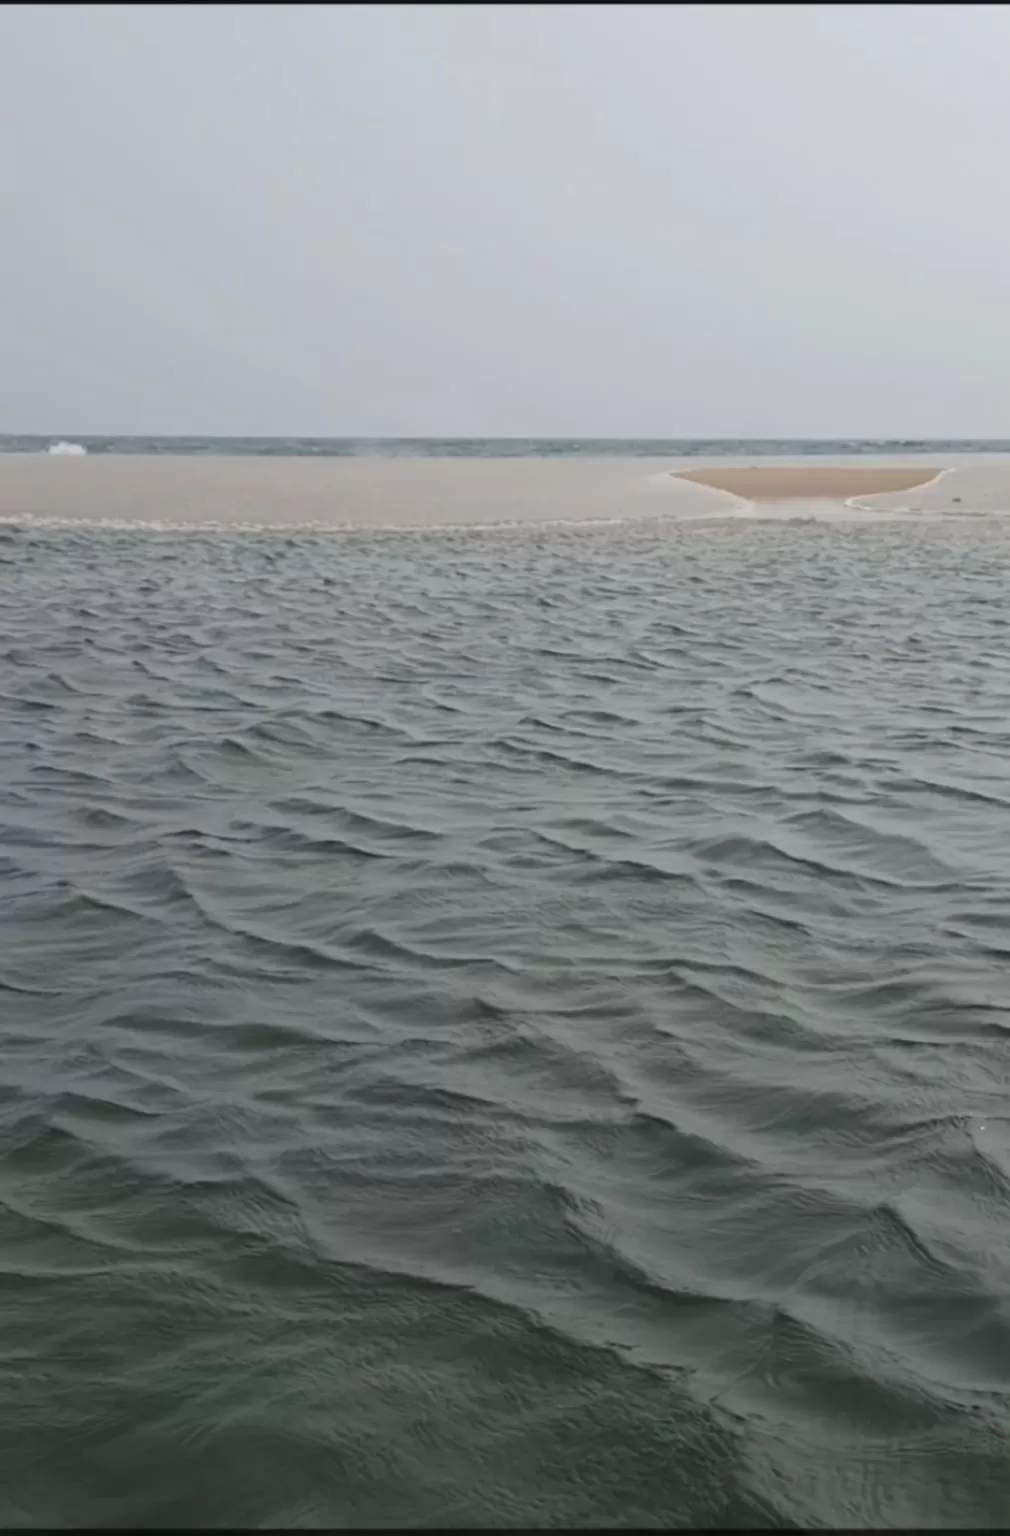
{"type": "Point", "coordinates": [505, 1028]}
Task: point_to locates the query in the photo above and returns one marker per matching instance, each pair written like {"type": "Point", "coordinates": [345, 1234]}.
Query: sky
{"type": "Point", "coordinates": [441, 220]}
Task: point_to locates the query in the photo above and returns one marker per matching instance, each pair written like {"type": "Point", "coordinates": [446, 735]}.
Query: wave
{"type": "Point", "coordinates": [506, 1031]}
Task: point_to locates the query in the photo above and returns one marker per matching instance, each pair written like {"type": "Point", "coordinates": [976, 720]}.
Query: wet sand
{"type": "Point", "coordinates": [835, 482]}
{"type": "Point", "coordinates": [292, 493]}
{"type": "Point", "coordinates": [324, 493]}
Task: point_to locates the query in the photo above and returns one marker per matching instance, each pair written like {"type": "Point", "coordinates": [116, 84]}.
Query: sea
{"type": "Point", "coordinates": [505, 1026]}
{"type": "Point", "coordinates": [502, 447]}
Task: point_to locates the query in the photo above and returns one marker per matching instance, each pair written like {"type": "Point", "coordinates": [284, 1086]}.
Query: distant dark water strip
{"type": "Point", "coordinates": [503, 447]}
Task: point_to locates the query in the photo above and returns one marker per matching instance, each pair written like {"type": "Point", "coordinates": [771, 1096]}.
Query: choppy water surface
{"type": "Point", "coordinates": [505, 1027]}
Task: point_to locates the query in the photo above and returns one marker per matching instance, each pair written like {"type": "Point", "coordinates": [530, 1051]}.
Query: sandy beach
{"type": "Point", "coordinates": [320, 493]}
{"type": "Point", "coordinates": [835, 482]}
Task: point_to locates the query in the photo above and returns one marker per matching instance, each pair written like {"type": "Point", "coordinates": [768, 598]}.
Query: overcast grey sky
{"type": "Point", "coordinates": [753, 220]}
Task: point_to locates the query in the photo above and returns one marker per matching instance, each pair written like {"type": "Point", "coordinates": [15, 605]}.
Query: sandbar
{"type": "Point", "coordinates": [220, 490]}
{"type": "Point", "coordinates": [832, 482]}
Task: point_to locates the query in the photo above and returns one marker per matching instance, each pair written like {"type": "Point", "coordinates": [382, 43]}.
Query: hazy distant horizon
{"type": "Point", "coordinates": [65, 435]}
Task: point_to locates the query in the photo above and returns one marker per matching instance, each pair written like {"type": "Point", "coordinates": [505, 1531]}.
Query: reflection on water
{"type": "Point", "coordinates": [505, 1027]}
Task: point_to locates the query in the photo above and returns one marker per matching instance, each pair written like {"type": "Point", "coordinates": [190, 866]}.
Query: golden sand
{"type": "Point", "coordinates": [810, 481]}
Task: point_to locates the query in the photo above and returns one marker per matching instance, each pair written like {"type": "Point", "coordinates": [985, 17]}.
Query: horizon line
{"type": "Point", "coordinates": [516, 437]}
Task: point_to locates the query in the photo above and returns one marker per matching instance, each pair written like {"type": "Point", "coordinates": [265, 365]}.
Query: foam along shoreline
{"type": "Point", "coordinates": [810, 482]}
